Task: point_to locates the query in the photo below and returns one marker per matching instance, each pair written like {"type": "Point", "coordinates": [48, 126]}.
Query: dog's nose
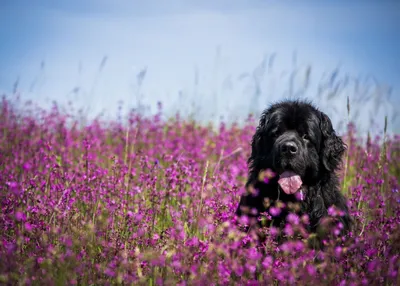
{"type": "Point", "coordinates": [289, 148]}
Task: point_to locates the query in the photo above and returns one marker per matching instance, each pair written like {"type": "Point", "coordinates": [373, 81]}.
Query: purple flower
{"type": "Point", "coordinates": [274, 211]}
{"type": "Point", "coordinates": [14, 187]}
{"type": "Point", "coordinates": [20, 216]}
{"type": "Point", "coordinates": [293, 219]}
{"type": "Point", "coordinates": [28, 226]}
{"type": "Point", "coordinates": [311, 270]}
{"type": "Point", "coordinates": [40, 260]}
{"type": "Point", "coordinates": [267, 262]}
{"type": "Point", "coordinates": [109, 272]}
{"type": "Point", "coordinates": [176, 264]}
{"type": "Point", "coordinates": [27, 166]}
{"type": "Point", "coordinates": [288, 230]}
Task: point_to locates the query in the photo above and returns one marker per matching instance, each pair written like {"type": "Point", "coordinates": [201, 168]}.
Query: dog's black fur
{"type": "Point", "coordinates": [317, 156]}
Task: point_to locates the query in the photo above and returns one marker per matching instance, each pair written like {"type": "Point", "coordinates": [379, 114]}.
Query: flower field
{"type": "Point", "coordinates": [153, 203]}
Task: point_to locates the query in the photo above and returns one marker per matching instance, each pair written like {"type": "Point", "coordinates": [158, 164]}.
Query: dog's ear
{"type": "Point", "coordinates": [257, 142]}
{"type": "Point", "coordinates": [332, 146]}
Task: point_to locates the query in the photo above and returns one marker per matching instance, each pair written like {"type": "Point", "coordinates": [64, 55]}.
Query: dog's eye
{"type": "Point", "coordinates": [274, 133]}
{"type": "Point", "coordinates": [306, 137]}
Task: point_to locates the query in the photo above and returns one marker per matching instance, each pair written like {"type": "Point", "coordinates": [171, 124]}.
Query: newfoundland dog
{"type": "Point", "coordinates": [294, 155]}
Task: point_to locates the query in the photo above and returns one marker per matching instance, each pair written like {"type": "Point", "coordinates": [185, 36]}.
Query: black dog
{"type": "Point", "coordinates": [297, 142]}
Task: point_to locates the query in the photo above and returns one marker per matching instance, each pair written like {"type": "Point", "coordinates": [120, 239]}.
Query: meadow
{"type": "Point", "coordinates": [152, 202]}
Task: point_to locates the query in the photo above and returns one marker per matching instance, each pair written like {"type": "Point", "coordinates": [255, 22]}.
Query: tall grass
{"type": "Point", "coordinates": [221, 95]}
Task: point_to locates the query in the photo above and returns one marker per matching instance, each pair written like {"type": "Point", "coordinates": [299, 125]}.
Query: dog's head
{"type": "Point", "coordinates": [294, 138]}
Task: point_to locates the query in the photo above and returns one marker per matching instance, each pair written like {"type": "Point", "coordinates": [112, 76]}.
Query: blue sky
{"type": "Point", "coordinates": [55, 48]}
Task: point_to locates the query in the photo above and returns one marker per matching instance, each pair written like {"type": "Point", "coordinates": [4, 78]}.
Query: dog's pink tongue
{"type": "Point", "coordinates": [290, 182]}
